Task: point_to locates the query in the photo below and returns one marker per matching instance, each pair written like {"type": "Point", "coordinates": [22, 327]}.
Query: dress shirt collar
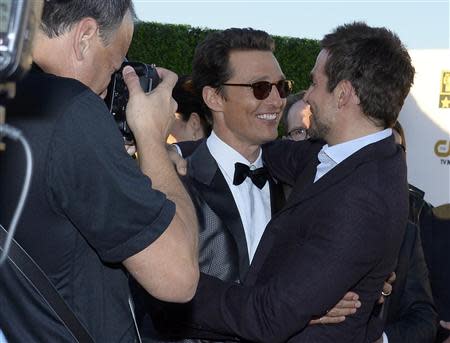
{"type": "Point", "coordinates": [340, 152]}
{"type": "Point", "coordinates": [330, 156]}
{"type": "Point", "coordinates": [226, 156]}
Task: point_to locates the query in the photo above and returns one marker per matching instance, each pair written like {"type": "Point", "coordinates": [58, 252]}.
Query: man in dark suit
{"type": "Point", "coordinates": [409, 314]}
{"type": "Point", "coordinates": [342, 227]}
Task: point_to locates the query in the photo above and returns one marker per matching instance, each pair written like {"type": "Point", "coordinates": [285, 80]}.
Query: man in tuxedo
{"type": "Point", "coordinates": [342, 227]}
{"type": "Point", "coordinates": [234, 213]}
{"type": "Point", "coordinates": [234, 209]}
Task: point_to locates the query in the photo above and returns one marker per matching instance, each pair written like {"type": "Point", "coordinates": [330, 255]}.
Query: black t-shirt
{"type": "Point", "coordinates": [89, 208]}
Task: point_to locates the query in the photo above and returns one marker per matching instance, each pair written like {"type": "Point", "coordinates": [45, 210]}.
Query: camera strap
{"type": "Point", "coordinates": [26, 266]}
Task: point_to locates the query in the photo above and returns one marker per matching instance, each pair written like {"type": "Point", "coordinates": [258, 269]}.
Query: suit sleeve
{"type": "Point", "coordinates": [283, 305]}
{"type": "Point", "coordinates": [285, 159]}
{"type": "Point", "coordinates": [417, 319]}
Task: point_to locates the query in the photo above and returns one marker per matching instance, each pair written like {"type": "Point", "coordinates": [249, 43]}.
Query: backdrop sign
{"type": "Point", "coordinates": [426, 120]}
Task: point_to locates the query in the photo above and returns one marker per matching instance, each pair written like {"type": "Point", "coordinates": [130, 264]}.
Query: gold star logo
{"type": "Point", "coordinates": [445, 102]}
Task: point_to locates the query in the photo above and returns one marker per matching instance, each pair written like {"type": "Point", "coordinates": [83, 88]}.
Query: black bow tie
{"type": "Point", "coordinates": [258, 176]}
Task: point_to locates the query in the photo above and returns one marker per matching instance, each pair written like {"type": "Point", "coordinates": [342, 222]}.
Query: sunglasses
{"type": "Point", "coordinates": [262, 89]}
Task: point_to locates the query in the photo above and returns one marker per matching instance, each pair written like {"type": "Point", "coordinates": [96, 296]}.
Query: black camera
{"type": "Point", "coordinates": [117, 95]}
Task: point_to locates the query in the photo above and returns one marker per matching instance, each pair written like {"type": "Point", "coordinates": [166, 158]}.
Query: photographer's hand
{"type": "Point", "coordinates": [150, 115]}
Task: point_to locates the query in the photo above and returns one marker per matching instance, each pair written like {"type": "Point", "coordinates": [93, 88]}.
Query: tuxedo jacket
{"type": "Point", "coordinates": [222, 244]}
{"type": "Point", "coordinates": [340, 233]}
{"type": "Point", "coordinates": [223, 249]}
{"type": "Point", "coordinates": [187, 148]}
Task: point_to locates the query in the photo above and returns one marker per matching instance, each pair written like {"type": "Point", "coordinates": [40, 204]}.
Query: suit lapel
{"type": "Point", "coordinates": [216, 193]}
{"type": "Point", "coordinates": [277, 197]}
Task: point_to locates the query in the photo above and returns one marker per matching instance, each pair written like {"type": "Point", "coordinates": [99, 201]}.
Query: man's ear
{"type": "Point", "coordinates": [84, 35]}
{"type": "Point", "coordinates": [212, 99]}
{"type": "Point", "coordinates": [346, 93]}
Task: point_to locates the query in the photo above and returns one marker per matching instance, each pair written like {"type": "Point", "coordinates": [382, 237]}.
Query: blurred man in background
{"type": "Point", "coordinates": [296, 117]}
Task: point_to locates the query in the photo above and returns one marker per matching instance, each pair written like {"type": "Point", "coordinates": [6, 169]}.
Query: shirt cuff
{"type": "Point", "coordinates": [178, 149]}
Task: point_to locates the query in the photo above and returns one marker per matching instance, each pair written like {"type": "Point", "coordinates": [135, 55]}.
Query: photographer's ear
{"type": "Point", "coordinates": [85, 35]}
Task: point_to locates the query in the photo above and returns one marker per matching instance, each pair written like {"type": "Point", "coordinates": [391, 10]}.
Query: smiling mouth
{"type": "Point", "coordinates": [267, 116]}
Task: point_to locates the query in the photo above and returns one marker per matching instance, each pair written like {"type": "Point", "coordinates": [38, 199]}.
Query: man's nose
{"type": "Point", "coordinates": [274, 96]}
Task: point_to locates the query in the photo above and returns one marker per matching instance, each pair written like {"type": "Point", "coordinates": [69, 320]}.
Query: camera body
{"type": "Point", "coordinates": [117, 95]}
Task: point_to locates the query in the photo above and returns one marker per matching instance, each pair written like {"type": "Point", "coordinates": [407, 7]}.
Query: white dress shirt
{"type": "Point", "coordinates": [253, 203]}
{"type": "Point", "coordinates": [330, 156]}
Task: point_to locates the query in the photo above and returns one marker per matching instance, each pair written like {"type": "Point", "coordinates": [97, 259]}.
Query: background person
{"type": "Point", "coordinates": [191, 122]}
{"type": "Point", "coordinates": [296, 117]}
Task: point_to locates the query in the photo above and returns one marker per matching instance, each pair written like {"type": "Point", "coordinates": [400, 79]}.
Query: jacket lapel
{"type": "Point", "coordinates": [277, 196]}
{"type": "Point", "coordinates": [216, 193]}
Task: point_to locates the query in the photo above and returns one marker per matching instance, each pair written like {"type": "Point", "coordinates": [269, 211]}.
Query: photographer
{"type": "Point", "coordinates": [93, 214]}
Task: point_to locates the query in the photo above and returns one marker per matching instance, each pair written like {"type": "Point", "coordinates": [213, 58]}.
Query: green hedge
{"type": "Point", "coordinates": [172, 47]}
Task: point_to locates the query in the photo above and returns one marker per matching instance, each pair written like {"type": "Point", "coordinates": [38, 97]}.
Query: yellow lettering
{"type": "Point", "coordinates": [442, 148]}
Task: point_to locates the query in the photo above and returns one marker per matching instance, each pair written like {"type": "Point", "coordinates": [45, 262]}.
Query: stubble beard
{"type": "Point", "coordinates": [318, 129]}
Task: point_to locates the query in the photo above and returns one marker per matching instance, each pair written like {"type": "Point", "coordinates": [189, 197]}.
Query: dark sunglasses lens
{"type": "Point", "coordinates": [284, 88]}
{"type": "Point", "coordinates": [261, 90]}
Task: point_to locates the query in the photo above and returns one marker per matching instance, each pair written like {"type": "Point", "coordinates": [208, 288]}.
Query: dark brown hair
{"type": "Point", "coordinates": [189, 101]}
{"type": "Point", "coordinates": [376, 63]}
{"type": "Point", "coordinates": [210, 66]}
